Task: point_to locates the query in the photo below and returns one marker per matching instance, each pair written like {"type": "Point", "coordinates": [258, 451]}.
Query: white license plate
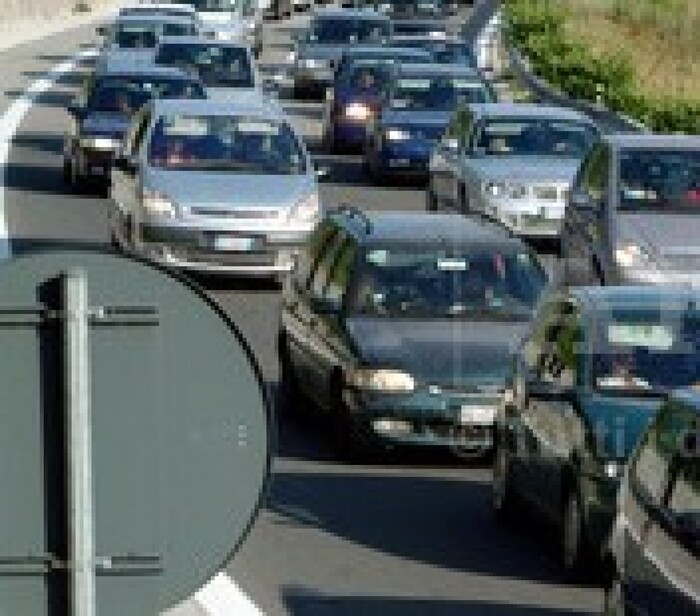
{"type": "Point", "coordinates": [475, 415]}
{"type": "Point", "coordinates": [233, 244]}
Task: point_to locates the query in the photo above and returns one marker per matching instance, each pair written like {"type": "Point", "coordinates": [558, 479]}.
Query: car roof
{"type": "Point", "coordinates": [598, 299]}
{"type": "Point", "coordinates": [657, 141]}
{"type": "Point", "coordinates": [360, 13]}
{"type": "Point", "coordinates": [123, 67]}
{"type": "Point", "coordinates": [423, 228]}
{"type": "Point", "coordinates": [256, 106]}
{"type": "Point", "coordinates": [423, 68]}
{"type": "Point", "coordinates": [527, 110]}
{"type": "Point", "coordinates": [199, 40]}
{"type": "Point", "coordinates": [152, 18]}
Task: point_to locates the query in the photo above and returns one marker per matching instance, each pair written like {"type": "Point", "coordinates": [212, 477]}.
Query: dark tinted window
{"type": "Point", "coordinates": [133, 37]}
{"type": "Point", "coordinates": [437, 92]}
{"type": "Point", "coordinates": [217, 65]}
{"type": "Point", "coordinates": [659, 180]}
{"type": "Point", "coordinates": [346, 30]}
{"type": "Point", "coordinates": [535, 137]}
{"type": "Point", "coordinates": [128, 94]}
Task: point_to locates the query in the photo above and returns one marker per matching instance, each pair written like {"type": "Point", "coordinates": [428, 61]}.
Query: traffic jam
{"type": "Point", "coordinates": [539, 317]}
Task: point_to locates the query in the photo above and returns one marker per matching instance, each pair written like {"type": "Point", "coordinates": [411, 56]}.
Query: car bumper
{"type": "Point", "coordinates": [426, 420]}
{"type": "Point", "coordinates": [251, 253]}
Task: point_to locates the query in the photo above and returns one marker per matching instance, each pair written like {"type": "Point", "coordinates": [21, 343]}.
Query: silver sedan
{"type": "Point", "coordinates": [215, 187]}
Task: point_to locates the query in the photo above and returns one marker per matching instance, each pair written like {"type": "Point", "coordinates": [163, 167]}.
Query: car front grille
{"type": "Point", "coordinates": [549, 192]}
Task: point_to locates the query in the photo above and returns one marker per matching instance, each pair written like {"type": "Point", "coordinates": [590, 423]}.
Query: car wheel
{"type": "Point", "coordinates": [574, 547]}
{"type": "Point", "coordinates": [504, 500]}
{"type": "Point", "coordinates": [614, 599]}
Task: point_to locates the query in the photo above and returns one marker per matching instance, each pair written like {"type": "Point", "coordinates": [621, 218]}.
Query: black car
{"type": "Point", "coordinates": [656, 542]}
{"type": "Point", "coordinates": [102, 113]}
{"type": "Point", "coordinates": [633, 215]}
{"type": "Point", "coordinates": [590, 377]}
{"type": "Point", "coordinates": [399, 327]}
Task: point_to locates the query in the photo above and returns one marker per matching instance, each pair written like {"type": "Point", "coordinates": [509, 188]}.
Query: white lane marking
{"type": "Point", "coordinates": [221, 597]}
{"type": "Point", "coordinates": [10, 123]}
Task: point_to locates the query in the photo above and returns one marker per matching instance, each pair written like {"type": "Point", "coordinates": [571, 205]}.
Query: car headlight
{"type": "Point", "coordinates": [291, 56]}
{"type": "Point", "coordinates": [307, 210]}
{"type": "Point", "coordinates": [358, 111]}
{"type": "Point", "coordinates": [157, 204]}
{"type": "Point", "coordinates": [382, 380]}
{"type": "Point", "coordinates": [397, 134]}
{"type": "Point", "coordinates": [100, 143]}
{"type": "Point", "coordinates": [628, 254]}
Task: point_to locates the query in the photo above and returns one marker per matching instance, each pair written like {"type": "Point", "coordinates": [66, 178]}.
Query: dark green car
{"type": "Point", "coordinates": [399, 328]}
{"type": "Point", "coordinates": [590, 376]}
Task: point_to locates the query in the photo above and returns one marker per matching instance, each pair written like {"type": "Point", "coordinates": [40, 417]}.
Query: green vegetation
{"type": "Point", "coordinates": [640, 57]}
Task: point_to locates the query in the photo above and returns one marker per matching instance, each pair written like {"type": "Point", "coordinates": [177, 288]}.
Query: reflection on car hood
{"type": "Point", "coordinates": [619, 421]}
{"type": "Point", "coordinates": [442, 352]}
{"type": "Point", "coordinates": [231, 189]}
{"type": "Point", "coordinates": [668, 237]}
{"type": "Point", "coordinates": [526, 168]}
{"type": "Point", "coordinates": [410, 118]}
{"type": "Point", "coordinates": [105, 124]}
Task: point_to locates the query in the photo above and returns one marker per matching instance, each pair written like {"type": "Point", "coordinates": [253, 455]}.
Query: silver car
{"type": "Point", "coordinates": [634, 213]}
{"type": "Point", "coordinates": [510, 162]}
{"type": "Point", "coordinates": [215, 187]}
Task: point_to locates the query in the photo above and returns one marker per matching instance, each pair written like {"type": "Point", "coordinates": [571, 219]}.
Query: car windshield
{"type": "Point", "coordinates": [638, 351]}
{"type": "Point", "coordinates": [446, 283]}
{"type": "Point", "coordinates": [345, 30]}
{"type": "Point", "coordinates": [367, 75]}
{"type": "Point", "coordinates": [216, 65]}
{"type": "Point", "coordinates": [535, 137]}
{"type": "Point", "coordinates": [453, 53]}
{"type": "Point", "coordinates": [145, 35]}
{"type": "Point", "coordinates": [653, 180]}
{"type": "Point", "coordinates": [213, 6]}
{"type": "Point", "coordinates": [129, 94]}
{"type": "Point", "coordinates": [246, 145]}
{"type": "Point", "coordinates": [437, 92]}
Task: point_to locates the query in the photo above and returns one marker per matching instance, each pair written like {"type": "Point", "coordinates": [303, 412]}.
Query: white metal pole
{"type": "Point", "coordinates": [79, 441]}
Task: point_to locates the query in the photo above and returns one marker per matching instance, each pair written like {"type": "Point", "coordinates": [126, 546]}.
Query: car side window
{"type": "Point", "coordinates": [593, 180]}
{"type": "Point", "coordinates": [313, 251]}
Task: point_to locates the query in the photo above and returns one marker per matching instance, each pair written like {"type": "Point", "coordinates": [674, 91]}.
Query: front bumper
{"type": "Point", "coordinates": [426, 419]}
{"type": "Point", "coordinates": [216, 251]}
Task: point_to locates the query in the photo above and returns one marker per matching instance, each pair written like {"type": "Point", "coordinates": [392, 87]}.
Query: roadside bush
{"type": "Point", "coordinates": [537, 29]}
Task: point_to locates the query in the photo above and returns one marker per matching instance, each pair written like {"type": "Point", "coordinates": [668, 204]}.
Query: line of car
{"type": "Point", "coordinates": [440, 329]}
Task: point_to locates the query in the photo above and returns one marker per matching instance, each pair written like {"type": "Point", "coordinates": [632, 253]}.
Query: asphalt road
{"type": "Point", "coordinates": [413, 537]}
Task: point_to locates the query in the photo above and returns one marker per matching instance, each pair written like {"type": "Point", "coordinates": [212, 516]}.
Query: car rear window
{"type": "Point", "coordinates": [216, 65]}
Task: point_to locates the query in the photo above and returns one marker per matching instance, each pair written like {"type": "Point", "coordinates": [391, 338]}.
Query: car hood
{"type": "Point", "coordinates": [101, 124]}
{"type": "Point", "coordinates": [669, 238]}
{"type": "Point", "coordinates": [526, 168]}
{"type": "Point", "coordinates": [439, 352]}
{"type": "Point", "coordinates": [228, 190]}
{"type": "Point", "coordinates": [619, 421]}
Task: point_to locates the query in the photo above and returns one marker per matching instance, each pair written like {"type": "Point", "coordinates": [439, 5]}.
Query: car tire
{"type": "Point", "coordinates": [504, 500]}
{"type": "Point", "coordinates": [575, 551]}
{"type": "Point", "coordinates": [290, 401]}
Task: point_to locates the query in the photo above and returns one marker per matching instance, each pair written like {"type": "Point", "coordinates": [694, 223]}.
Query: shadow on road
{"type": "Point", "coordinates": [304, 602]}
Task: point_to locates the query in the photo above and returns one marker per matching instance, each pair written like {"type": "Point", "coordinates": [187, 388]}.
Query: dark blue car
{"type": "Point", "coordinates": [360, 78]}
{"type": "Point", "coordinates": [415, 110]}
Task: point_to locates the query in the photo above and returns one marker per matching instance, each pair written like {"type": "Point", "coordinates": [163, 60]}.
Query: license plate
{"type": "Point", "coordinates": [233, 244]}
{"type": "Point", "coordinates": [475, 415]}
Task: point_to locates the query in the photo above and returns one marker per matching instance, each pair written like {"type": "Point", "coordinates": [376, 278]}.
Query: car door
{"type": "Point", "coordinates": [125, 174]}
{"type": "Point", "coordinates": [585, 229]}
{"type": "Point", "coordinates": [665, 578]}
